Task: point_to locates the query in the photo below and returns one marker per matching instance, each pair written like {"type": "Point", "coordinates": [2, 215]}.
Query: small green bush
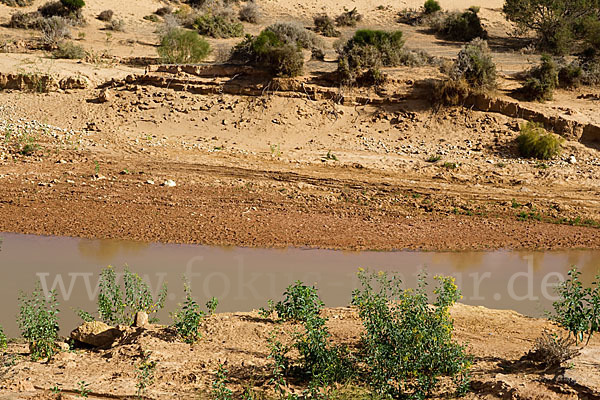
{"type": "Point", "coordinates": [69, 50]}
{"type": "Point", "coordinates": [180, 46]}
{"type": "Point", "coordinates": [118, 304]}
{"type": "Point", "coordinates": [366, 52]}
{"type": "Point", "coordinates": [250, 13]}
{"type": "Point", "coordinates": [3, 339]}
{"type": "Point", "coordinates": [38, 321]}
{"type": "Point", "coordinates": [535, 142]}
{"type": "Point", "coordinates": [299, 304]}
{"type": "Point", "coordinates": [463, 27]}
{"type": "Point", "coordinates": [73, 5]}
{"type": "Point", "coordinates": [431, 6]}
{"type": "Point", "coordinates": [218, 26]}
{"type": "Point", "coordinates": [475, 65]}
{"type": "Point", "coordinates": [294, 34]}
{"type": "Point", "coordinates": [188, 318]}
{"type": "Point", "coordinates": [348, 18]}
{"type": "Point", "coordinates": [578, 307]}
{"type": "Point", "coordinates": [105, 15]}
{"type": "Point", "coordinates": [325, 26]}
{"type": "Point", "coordinates": [268, 51]}
{"type": "Point", "coordinates": [407, 343]}
{"type": "Point", "coordinates": [542, 81]}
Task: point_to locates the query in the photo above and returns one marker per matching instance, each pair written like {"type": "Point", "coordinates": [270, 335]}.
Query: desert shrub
{"type": "Point", "coordinates": [151, 18]}
{"type": "Point", "coordinates": [38, 321]}
{"type": "Point", "coordinates": [73, 5]}
{"type": "Point", "coordinates": [299, 304]}
{"type": "Point", "coordinates": [348, 18]}
{"type": "Point", "coordinates": [105, 15]}
{"type": "Point", "coordinates": [570, 75]}
{"type": "Point", "coordinates": [17, 3]}
{"type": "Point", "coordinates": [451, 92]}
{"type": "Point", "coordinates": [162, 11]}
{"type": "Point", "coordinates": [118, 304]}
{"type": "Point", "coordinates": [3, 339]}
{"type": "Point", "coordinates": [188, 318]}
{"type": "Point", "coordinates": [295, 34]}
{"type": "Point", "coordinates": [552, 350]}
{"type": "Point", "coordinates": [578, 307]}
{"type": "Point", "coordinates": [431, 6]}
{"type": "Point", "coordinates": [585, 70]}
{"type": "Point", "coordinates": [554, 22]}
{"type": "Point", "coordinates": [180, 46]}
{"type": "Point", "coordinates": [475, 65]}
{"type": "Point", "coordinates": [55, 30]}
{"type": "Point", "coordinates": [218, 26]}
{"type": "Point", "coordinates": [535, 142]}
{"type": "Point", "coordinates": [250, 13]}
{"type": "Point", "coordinates": [270, 52]}
{"type": "Point", "coordinates": [325, 26]}
{"type": "Point", "coordinates": [60, 9]}
{"type": "Point", "coordinates": [460, 26]}
{"type": "Point", "coordinates": [542, 81]}
{"type": "Point", "coordinates": [117, 25]}
{"type": "Point", "coordinates": [408, 343]}
{"type": "Point", "coordinates": [69, 50]}
{"type": "Point", "coordinates": [30, 20]}
{"type": "Point", "coordinates": [366, 52]}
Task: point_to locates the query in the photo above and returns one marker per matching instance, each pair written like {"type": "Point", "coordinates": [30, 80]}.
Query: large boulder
{"type": "Point", "coordinates": [96, 334]}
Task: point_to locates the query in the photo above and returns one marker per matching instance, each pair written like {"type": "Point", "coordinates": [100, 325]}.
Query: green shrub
{"type": "Point", "coordinates": [38, 321]}
{"type": "Point", "coordinates": [187, 319]}
{"type": "Point", "coordinates": [570, 75]}
{"type": "Point", "coordinates": [118, 304]}
{"type": "Point", "coordinates": [250, 13]}
{"type": "Point", "coordinates": [180, 46]}
{"type": "Point", "coordinates": [162, 11]}
{"type": "Point", "coordinates": [542, 81]}
{"type": "Point", "coordinates": [473, 71]}
{"type": "Point", "coordinates": [73, 5]}
{"type": "Point", "coordinates": [578, 307]}
{"type": "Point", "coordinates": [269, 52]}
{"type": "Point", "coordinates": [3, 339]}
{"type": "Point", "coordinates": [69, 50]}
{"type": "Point", "coordinates": [535, 142]}
{"type": "Point", "coordinates": [431, 6]}
{"type": "Point", "coordinates": [295, 34]}
{"type": "Point", "coordinates": [105, 15]}
{"type": "Point", "coordinates": [29, 20]}
{"type": "Point", "coordinates": [325, 26]}
{"type": "Point", "coordinates": [218, 26]}
{"type": "Point", "coordinates": [555, 22]}
{"type": "Point", "coordinates": [220, 391]}
{"type": "Point", "coordinates": [348, 18]}
{"type": "Point", "coordinates": [463, 27]}
{"type": "Point", "coordinates": [408, 343]}
{"type": "Point", "coordinates": [299, 304]}
{"type": "Point", "coordinates": [366, 52]}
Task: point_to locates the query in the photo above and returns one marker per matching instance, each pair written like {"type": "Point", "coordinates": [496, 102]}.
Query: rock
{"type": "Point", "coordinates": [74, 82]}
{"type": "Point", "coordinates": [141, 319]}
{"type": "Point", "coordinates": [150, 182]}
{"type": "Point", "coordinates": [104, 96]}
{"type": "Point", "coordinates": [96, 333]}
{"type": "Point", "coordinates": [63, 346]}
{"type": "Point", "coordinates": [169, 183]}
{"type": "Point", "coordinates": [572, 159]}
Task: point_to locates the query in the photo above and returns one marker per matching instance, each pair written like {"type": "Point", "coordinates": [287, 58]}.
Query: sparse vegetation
{"type": "Point", "coordinates": [542, 81]}
{"type": "Point", "coordinates": [3, 339]}
{"type": "Point", "coordinates": [552, 351]}
{"type": "Point", "coordinates": [218, 26]}
{"type": "Point", "coordinates": [69, 50]}
{"type": "Point", "coordinates": [220, 391]}
{"type": "Point", "coordinates": [17, 3]}
{"type": "Point", "coordinates": [55, 30]}
{"type": "Point", "coordinates": [578, 307]}
{"type": "Point", "coordinates": [181, 46]}
{"type": "Point", "coordinates": [118, 304]}
{"type": "Point", "coordinates": [38, 321]}
{"type": "Point", "coordinates": [250, 13]}
{"type": "Point", "coordinates": [117, 25]}
{"type": "Point", "coordinates": [325, 26]}
{"type": "Point", "coordinates": [188, 318]}
{"type": "Point", "coordinates": [535, 142]}
{"type": "Point", "coordinates": [348, 18]}
{"type": "Point", "coordinates": [431, 6]}
{"type": "Point", "coordinates": [145, 374]}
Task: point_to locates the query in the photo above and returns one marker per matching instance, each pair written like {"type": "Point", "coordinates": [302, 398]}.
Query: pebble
{"type": "Point", "coordinates": [150, 182]}
{"type": "Point", "coordinates": [169, 183]}
{"type": "Point", "coordinates": [572, 159]}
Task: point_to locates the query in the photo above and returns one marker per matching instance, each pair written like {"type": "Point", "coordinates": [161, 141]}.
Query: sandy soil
{"type": "Point", "coordinates": [497, 340]}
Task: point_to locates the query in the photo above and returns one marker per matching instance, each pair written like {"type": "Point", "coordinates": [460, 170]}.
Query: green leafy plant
{"type": "Point", "coordinates": [211, 305]}
{"type": "Point", "coordinates": [180, 46]}
{"type": "Point", "coordinates": [535, 142]}
{"type": "Point", "coordinates": [220, 391]}
{"type": "Point", "coordinates": [408, 344]}
{"type": "Point", "coordinates": [73, 4]}
{"type": "Point", "coordinates": [578, 307]}
{"type": "Point", "coordinates": [118, 304]}
{"type": "Point", "coordinates": [145, 373]}
{"type": "Point", "coordinates": [460, 26]}
{"type": "Point", "coordinates": [69, 50]}
{"type": "Point", "coordinates": [300, 302]}
{"type": "Point", "coordinates": [83, 389]}
{"type": "Point", "coordinates": [38, 321]}
{"type": "Point", "coordinates": [431, 6]}
{"type": "Point", "coordinates": [218, 26]}
{"type": "Point", "coordinates": [3, 339]}
{"type": "Point", "coordinates": [433, 158]}
{"type": "Point", "coordinates": [187, 319]}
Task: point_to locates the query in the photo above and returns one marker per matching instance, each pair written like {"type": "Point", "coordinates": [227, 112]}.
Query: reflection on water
{"type": "Point", "coordinates": [244, 279]}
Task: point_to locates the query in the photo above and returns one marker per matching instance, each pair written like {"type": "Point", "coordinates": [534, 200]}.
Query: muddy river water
{"type": "Point", "coordinates": [244, 278]}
